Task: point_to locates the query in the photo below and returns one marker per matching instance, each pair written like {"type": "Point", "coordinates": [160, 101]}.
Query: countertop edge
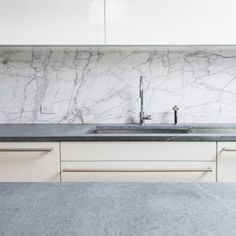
{"type": "Point", "coordinates": [121, 138]}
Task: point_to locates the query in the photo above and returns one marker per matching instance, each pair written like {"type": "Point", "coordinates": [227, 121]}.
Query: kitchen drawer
{"type": "Point", "coordinates": [138, 171]}
{"type": "Point", "coordinates": [136, 151]}
{"type": "Point", "coordinates": [226, 162]}
{"type": "Point", "coordinates": [29, 162]}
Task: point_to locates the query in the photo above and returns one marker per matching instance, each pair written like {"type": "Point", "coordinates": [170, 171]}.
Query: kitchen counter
{"type": "Point", "coordinates": [79, 132]}
{"type": "Point", "coordinates": [117, 209]}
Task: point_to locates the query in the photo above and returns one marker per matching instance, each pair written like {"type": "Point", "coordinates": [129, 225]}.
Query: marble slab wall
{"type": "Point", "coordinates": [100, 85]}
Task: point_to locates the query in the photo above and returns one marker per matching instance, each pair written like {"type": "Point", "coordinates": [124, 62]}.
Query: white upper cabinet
{"type": "Point", "coordinates": [170, 22]}
{"type": "Point", "coordinates": [52, 22]}
{"type": "Point", "coordinates": [117, 22]}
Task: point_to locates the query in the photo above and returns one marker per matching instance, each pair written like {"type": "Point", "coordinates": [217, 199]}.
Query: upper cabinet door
{"type": "Point", "coordinates": [52, 22]}
{"type": "Point", "coordinates": [170, 22]}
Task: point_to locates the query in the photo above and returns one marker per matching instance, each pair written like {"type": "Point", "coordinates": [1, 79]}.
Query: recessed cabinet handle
{"type": "Point", "coordinates": [26, 149]}
{"type": "Point", "coordinates": [228, 150]}
{"type": "Point", "coordinates": [140, 170]}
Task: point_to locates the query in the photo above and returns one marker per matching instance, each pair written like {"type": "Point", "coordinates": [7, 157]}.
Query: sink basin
{"type": "Point", "coordinates": [214, 130]}
{"type": "Point", "coordinates": [138, 130]}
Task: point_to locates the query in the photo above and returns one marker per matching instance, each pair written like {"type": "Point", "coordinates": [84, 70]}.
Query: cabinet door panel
{"type": "Point", "coordinates": [29, 162]}
{"type": "Point", "coordinates": [170, 22]}
{"type": "Point", "coordinates": [135, 151]}
{"type": "Point", "coordinates": [226, 162]}
{"type": "Point", "coordinates": [51, 22]}
{"type": "Point", "coordinates": [138, 171]}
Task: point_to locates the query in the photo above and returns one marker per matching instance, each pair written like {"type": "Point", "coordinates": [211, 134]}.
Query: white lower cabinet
{"type": "Point", "coordinates": [226, 162]}
{"type": "Point", "coordinates": [115, 161]}
{"type": "Point", "coordinates": [29, 162]}
{"type": "Point", "coordinates": [138, 151]}
{"type": "Point", "coordinates": [138, 161]}
{"type": "Point", "coordinates": [139, 171]}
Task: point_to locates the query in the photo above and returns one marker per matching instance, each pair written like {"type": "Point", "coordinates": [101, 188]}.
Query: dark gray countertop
{"type": "Point", "coordinates": [78, 132]}
{"type": "Point", "coordinates": [115, 209]}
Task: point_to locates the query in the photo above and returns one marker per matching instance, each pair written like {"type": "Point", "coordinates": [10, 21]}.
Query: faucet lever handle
{"type": "Point", "coordinates": [175, 108]}
{"type": "Point", "coordinates": [147, 117]}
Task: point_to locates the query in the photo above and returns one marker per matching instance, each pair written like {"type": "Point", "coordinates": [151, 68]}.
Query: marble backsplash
{"type": "Point", "coordinates": [100, 85]}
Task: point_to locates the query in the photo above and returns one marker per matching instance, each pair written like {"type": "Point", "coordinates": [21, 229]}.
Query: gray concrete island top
{"type": "Point", "coordinates": [115, 209]}
{"type": "Point", "coordinates": [80, 132]}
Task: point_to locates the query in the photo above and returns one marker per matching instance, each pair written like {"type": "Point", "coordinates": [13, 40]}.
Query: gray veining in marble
{"type": "Point", "coordinates": [101, 85]}
{"type": "Point", "coordinates": [115, 209]}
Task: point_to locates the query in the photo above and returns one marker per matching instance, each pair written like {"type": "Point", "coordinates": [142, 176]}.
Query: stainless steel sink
{"type": "Point", "coordinates": [137, 130]}
{"type": "Point", "coordinates": [213, 130]}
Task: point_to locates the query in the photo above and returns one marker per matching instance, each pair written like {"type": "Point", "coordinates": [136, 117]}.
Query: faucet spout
{"type": "Point", "coordinates": [142, 115]}
{"type": "Point", "coordinates": [141, 99]}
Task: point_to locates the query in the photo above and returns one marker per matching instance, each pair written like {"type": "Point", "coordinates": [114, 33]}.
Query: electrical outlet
{"type": "Point", "coordinates": [48, 108]}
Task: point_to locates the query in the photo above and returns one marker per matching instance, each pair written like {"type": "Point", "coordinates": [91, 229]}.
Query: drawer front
{"type": "Point", "coordinates": [136, 151]}
{"type": "Point", "coordinates": [138, 171]}
{"type": "Point", "coordinates": [226, 162]}
{"type": "Point", "coordinates": [29, 162]}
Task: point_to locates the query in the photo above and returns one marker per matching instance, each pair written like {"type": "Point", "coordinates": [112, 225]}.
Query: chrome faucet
{"type": "Point", "coordinates": [142, 115]}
